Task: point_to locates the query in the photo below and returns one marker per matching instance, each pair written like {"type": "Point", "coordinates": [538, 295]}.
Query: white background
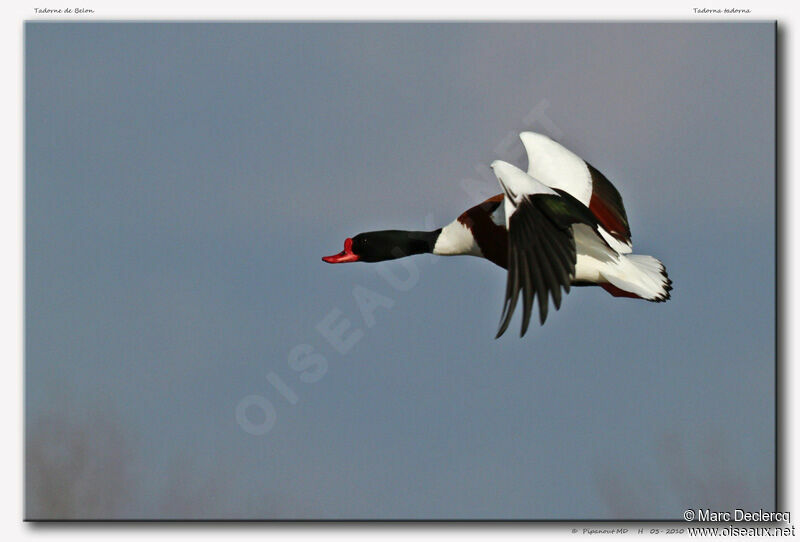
{"type": "Point", "coordinates": [12, 240]}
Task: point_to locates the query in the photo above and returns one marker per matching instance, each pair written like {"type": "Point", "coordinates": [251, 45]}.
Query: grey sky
{"type": "Point", "coordinates": [183, 181]}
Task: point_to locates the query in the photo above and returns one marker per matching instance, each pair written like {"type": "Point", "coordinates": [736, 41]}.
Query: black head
{"type": "Point", "coordinates": [378, 246]}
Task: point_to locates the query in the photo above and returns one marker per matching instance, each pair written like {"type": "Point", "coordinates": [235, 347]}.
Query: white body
{"type": "Point", "coordinates": [635, 273]}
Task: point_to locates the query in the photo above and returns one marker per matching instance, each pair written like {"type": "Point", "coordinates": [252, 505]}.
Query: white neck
{"type": "Point", "coordinates": [456, 239]}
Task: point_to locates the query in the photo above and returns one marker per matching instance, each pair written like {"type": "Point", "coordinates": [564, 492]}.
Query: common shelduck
{"type": "Point", "coordinates": [561, 224]}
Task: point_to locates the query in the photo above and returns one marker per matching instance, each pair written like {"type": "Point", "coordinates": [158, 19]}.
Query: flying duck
{"type": "Point", "coordinates": [560, 224]}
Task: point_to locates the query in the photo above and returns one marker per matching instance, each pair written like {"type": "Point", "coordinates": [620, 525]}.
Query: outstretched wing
{"type": "Point", "coordinates": [559, 168]}
{"type": "Point", "coordinates": [541, 244]}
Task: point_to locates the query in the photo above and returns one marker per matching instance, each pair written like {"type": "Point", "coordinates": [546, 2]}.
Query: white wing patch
{"type": "Point", "coordinates": [613, 242]}
{"type": "Point", "coordinates": [557, 167]}
{"type": "Point", "coordinates": [516, 184]}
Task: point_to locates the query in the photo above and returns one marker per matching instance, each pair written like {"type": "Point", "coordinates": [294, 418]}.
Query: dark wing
{"type": "Point", "coordinates": [606, 204]}
{"type": "Point", "coordinates": [541, 253]}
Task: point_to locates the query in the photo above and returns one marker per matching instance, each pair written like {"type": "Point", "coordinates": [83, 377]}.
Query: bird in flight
{"type": "Point", "coordinates": [560, 224]}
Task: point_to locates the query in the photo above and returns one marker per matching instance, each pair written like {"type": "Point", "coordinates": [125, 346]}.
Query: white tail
{"type": "Point", "coordinates": [637, 275]}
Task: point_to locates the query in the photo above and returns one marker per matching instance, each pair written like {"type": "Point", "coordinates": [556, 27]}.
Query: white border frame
{"type": "Point", "coordinates": [12, 228]}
